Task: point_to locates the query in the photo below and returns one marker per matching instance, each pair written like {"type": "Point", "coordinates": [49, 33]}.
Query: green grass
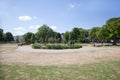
{"type": "Point", "coordinates": [94, 71]}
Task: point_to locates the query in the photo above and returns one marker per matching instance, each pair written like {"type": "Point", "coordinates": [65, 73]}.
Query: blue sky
{"type": "Point", "coordinates": [21, 16]}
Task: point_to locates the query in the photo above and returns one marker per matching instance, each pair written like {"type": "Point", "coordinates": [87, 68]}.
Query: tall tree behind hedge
{"type": "Point", "coordinates": [113, 25]}
{"type": "Point", "coordinates": [27, 37]}
{"type": "Point", "coordinates": [17, 39]}
{"type": "Point", "coordinates": [1, 36]}
{"type": "Point", "coordinates": [58, 38]}
{"type": "Point", "coordinates": [66, 36]}
{"type": "Point", "coordinates": [93, 33]}
{"type": "Point", "coordinates": [44, 33]}
{"type": "Point", "coordinates": [8, 36]}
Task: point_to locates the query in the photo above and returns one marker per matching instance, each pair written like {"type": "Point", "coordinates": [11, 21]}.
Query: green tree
{"type": "Point", "coordinates": [8, 37]}
{"type": "Point", "coordinates": [1, 36]}
{"type": "Point", "coordinates": [75, 33]}
{"type": "Point", "coordinates": [58, 38]}
{"type": "Point", "coordinates": [17, 39]}
{"type": "Point", "coordinates": [44, 33]}
{"type": "Point", "coordinates": [33, 38]}
{"type": "Point", "coordinates": [93, 33]}
{"type": "Point", "coordinates": [66, 36]}
{"type": "Point", "coordinates": [27, 37]}
{"type": "Point", "coordinates": [113, 25]}
{"type": "Point", "coordinates": [81, 37]}
{"type": "Point", "coordinates": [103, 33]}
{"type": "Point", "coordinates": [72, 36]}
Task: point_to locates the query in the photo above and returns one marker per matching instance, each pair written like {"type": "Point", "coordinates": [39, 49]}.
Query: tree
{"type": "Point", "coordinates": [93, 33]}
{"type": "Point", "coordinates": [1, 36]}
{"type": "Point", "coordinates": [75, 33]}
{"type": "Point", "coordinates": [17, 39]}
{"type": "Point", "coordinates": [44, 33]}
{"type": "Point", "coordinates": [103, 33]}
{"type": "Point", "coordinates": [113, 25]}
{"type": "Point", "coordinates": [81, 37]}
{"type": "Point", "coordinates": [72, 36]}
{"type": "Point", "coordinates": [66, 36]}
{"type": "Point", "coordinates": [27, 37]}
{"type": "Point", "coordinates": [58, 38]}
{"type": "Point", "coordinates": [33, 38]}
{"type": "Point", "coordinates": [8, 37]}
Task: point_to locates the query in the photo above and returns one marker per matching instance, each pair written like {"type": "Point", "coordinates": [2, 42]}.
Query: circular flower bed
{"type": "Point", "coordinates": [55, 46]}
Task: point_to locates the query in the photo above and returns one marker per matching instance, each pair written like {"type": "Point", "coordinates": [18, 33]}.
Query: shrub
{"type": "Point", "coordinates": [56, 46]}
{"type": "Point", "coordinates": [36, 46]}
{"type": "Point", "coordinates": [75, 46]}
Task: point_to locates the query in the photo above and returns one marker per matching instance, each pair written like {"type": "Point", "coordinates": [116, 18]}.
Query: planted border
{"type": "Point", "coordinates": [55, 46]}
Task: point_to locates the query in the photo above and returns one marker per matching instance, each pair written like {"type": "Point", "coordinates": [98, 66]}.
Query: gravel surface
{"type": "Point", "coordinates": [11, 54]}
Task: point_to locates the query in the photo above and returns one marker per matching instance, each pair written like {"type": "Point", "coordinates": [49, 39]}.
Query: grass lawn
{"type": "Point", "coordinates": [93, 71]}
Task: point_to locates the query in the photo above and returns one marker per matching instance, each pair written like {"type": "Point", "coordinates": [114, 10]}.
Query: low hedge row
{"type": "Point", "coordinates": [36, 46]}
{"type": "Point", "coordinates": [55, 46]}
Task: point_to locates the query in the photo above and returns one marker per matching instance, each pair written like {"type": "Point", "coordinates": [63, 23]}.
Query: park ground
{"type": "Point", "coordinates": [96, 63]}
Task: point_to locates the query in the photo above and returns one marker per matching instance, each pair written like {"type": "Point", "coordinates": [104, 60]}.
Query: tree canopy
{"type": "Point", "coordinates": [8, 36]}
{"type": "Point", "coordinates": [27, 37]}
{"type": "Point", "coordinates": [44, 33]}
{"type": "Point", "coordinates": [109, 31]}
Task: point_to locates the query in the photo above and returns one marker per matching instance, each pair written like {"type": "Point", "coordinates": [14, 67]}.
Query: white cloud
{"type": "Point", "coordinates": [19, 33]}
{"type": "Point", "coordinates": [71, 6]}
{"type": "Point", "coordinates": [25, 18]}
{"type": "Point", "coordinates": [35, 27]}
{"type": "Point", "coordinates": [19, 30]}
{"type": "Point", "coordinates": [53, 27]}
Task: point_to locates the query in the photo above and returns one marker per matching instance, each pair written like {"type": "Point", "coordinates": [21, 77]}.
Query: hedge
{"type": "Point", "coordinates": [55, 46]}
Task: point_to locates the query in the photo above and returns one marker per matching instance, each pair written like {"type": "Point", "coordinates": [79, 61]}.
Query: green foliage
{"type": "Point", "coordinates": [56, 46]}
{"type": "Point", "coordinates": [72, 36]}
{"type": "Point", "coordinates": [66, 36]}
{"type": "Point", "coordinates": [1, 36]}
{"type": "Point", "coordinates": [75, 34]}
{"type": "Point", "coordinates": [93, 32]}
{"type": "Point", "coordinates": [93, 71]}
{"type": "Point", "coordinates": [113, 25]}
{"type": "Point", "coordinates": [17, 39]}
{"type": "Point", "coordinates": [75, 46]}
{"type": "Point", "coordinates": [58, 38]}
{"type": "Point", "coordinates": [44, 33]}
{"type": "Point", "coordinates": [8, 37]}
{"type": "Point", "coordinates": [28, 37]}
{"type": "Point", "coordinates": [103, 33]}
{"type": "Point", "coordinates": [33, 38]}
{"type": "Point", "coordinates": [36, 46]}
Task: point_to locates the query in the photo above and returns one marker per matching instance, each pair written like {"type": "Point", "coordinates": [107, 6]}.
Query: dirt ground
{"type": "Point", "coordinates": [12, 54]}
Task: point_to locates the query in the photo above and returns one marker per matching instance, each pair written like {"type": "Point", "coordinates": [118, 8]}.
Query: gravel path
{"type": "Point", "coordinates": [27, 55]}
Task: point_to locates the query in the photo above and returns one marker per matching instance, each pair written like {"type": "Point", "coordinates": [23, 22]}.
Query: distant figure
{"type": "Point", "coordinates": [94, 45]}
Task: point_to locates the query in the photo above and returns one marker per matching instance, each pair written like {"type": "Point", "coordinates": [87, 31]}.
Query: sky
{"type": "Point", "coordinates": [22, 16]}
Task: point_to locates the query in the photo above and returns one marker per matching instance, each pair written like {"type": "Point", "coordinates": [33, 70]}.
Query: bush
{"type": "Point", "coordinates": [62, 46]}
{"type": "Point", "coordinates": [36, 46]}
{"type": "Point", "coordinates": [75, 46]}
{"type": "Point", "coordinates": [56, 46]}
